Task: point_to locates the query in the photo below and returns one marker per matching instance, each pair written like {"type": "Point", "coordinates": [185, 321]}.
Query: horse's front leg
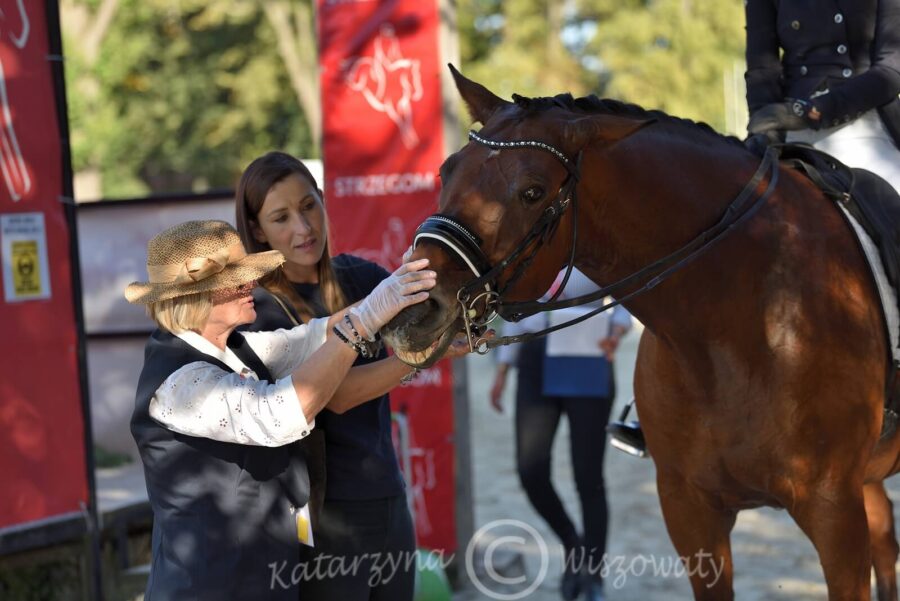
{"type": "Point", "coordinates": [833, 516]}
{"type": "Point", "coordinates": [880, 514]}
{"type": "Point", "coordinates": [701, 533]}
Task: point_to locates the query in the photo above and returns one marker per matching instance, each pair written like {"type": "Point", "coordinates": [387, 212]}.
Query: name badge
{"type": "Point", "coordinates": [304, 526]}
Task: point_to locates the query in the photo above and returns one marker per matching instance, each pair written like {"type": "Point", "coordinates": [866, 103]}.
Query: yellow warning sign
{"type": "Point", "coordinates": [26, 270]}
{"type": "Point", "coordinates": [23, 256]}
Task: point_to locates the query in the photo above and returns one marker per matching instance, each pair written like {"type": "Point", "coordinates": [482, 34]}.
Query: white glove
{"type": "Point", "coordinates": [406, 286]}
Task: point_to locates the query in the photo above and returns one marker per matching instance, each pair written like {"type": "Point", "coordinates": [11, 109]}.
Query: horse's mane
{"type": "Point", "coordinates": [593, 105]}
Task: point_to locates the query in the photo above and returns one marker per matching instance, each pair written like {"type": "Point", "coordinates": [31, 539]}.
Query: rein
{"type": "Point", "coordinates": [486, 276]}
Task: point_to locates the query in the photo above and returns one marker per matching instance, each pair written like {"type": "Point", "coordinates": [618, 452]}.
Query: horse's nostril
{"type": "Point", "coordinates": [421, 310]}
{"type": "Point", "coordinates": [415, 314]}
{"type": "Point", "coordinates": [431, 305]}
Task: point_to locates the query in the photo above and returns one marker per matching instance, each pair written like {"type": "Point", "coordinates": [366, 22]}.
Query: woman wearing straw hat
{"type": "Point", "coordinates": [215, 410]}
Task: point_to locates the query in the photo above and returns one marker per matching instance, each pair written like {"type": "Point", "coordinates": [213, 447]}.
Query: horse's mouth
{"type": "Point", "coordinates": [429, 356]}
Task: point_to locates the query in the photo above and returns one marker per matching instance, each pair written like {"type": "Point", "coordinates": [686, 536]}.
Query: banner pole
{"type": "Point", "coordinates": [68, 199]}
{"type": "Point", "coordinates": [383, 143]}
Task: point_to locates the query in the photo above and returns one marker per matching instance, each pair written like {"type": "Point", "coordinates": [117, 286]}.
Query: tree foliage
{"type": "Point", "coordinates": [169, 95]}
{"type": "Point", "coordinates": [667, 54]}
{"type": "Point", "coordinates": [518, 47]}
{"type": "Point", "coordinates": [181, 95]}
{"type": "Point", "coordinates": [671, 54]}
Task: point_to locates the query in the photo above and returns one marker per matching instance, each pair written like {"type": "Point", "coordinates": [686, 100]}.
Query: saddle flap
{"type": "Point", "coordinates": [871, 200]}
{"type": "Point", "coordinates": [877, 207]}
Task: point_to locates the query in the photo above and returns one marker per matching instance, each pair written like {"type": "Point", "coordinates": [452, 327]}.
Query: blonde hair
{"type": "Point", "coordinates": [182, 313]}
{"type": "Point", "coordinates": [254, 185]}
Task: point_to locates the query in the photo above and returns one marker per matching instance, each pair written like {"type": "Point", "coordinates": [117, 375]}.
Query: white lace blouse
{"type": "Point", "coordinates": [203, 400]}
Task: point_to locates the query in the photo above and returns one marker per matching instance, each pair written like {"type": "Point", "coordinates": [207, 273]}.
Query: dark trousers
{"type": "Point", "coordinates": [537, 420]}
{"type": "Point", "coordinates": [365, 551]}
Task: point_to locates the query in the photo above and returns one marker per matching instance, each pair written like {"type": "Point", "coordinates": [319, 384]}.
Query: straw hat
{"type": "Point", "coordinates": [198, 256]}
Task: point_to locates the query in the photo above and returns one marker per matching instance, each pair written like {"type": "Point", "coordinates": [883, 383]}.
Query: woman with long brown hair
{"type": "Point", "coordinates": [364, 515]}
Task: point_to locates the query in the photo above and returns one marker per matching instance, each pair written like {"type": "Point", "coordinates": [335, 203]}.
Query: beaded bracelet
{"type": "Point", "coordinates": [368, 348]}
{"type": "Point", "coordinates": [343, 338]}
{"type": "Point", "coordinates": [353, 328]}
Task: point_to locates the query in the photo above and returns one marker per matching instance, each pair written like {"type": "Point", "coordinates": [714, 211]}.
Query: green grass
{"type": "Point", "coordinates": [104, 458]}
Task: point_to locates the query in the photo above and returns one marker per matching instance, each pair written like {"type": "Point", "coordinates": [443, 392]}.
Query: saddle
{"type": "Point", "coordinates": [875, 206]}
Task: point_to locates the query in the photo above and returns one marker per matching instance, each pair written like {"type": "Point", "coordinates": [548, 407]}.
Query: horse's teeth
{"type": "Point", "coordinates": [415, 357]}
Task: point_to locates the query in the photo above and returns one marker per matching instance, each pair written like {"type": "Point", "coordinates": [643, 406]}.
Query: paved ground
{"type": "Point", "coordinates": [773, 560]}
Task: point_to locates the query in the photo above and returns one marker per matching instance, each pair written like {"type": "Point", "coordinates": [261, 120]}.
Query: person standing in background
{"type": "Point", "coordinates": [568, 372]}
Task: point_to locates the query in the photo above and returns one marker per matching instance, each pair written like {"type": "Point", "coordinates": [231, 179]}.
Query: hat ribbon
{"type": "Point", "coordinates": [195, 269]}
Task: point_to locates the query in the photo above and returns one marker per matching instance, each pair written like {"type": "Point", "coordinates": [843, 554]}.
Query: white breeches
{"type": "Point", "coordinates": [863, 143]}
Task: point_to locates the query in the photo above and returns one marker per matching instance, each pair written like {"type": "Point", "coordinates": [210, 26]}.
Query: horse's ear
{"type": "Point", "coordinates": [610, 129]}
{"type": "Point", "coordinates": [482, 103]}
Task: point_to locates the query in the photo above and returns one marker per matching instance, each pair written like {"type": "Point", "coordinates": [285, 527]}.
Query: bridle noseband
{"type": "Point", "coordinates": [466, 246]}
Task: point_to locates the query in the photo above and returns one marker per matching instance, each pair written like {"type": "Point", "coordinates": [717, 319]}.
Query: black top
{"type": "Point", "coordinates": [222, 512]}
{"type": "Point", "coordinates": [359, 452]}
{"type": "Point", "coordinates": [851, 48]}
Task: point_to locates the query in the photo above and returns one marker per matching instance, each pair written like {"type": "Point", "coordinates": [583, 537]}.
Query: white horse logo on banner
{"type": "Point", "coordinates": [12, 164]}
{"type": "Point", "coordinates": [389, 83]}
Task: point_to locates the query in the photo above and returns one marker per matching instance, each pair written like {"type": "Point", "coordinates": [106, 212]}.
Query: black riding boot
{"type": "Point", "coordinates": [627, 435]}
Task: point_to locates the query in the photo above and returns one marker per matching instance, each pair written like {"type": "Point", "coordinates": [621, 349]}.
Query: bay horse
{"type": "Point", "coordinates": [761, 372]}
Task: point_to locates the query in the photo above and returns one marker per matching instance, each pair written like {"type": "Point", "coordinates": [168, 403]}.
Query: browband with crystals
{"type": "Point", "coordinates": [523, 143]}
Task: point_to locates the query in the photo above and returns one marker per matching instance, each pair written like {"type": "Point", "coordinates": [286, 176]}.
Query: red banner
{"type": "Point", "coordinates": [382, 148]}
{"type": "Point", "coordinates": [42, 449]}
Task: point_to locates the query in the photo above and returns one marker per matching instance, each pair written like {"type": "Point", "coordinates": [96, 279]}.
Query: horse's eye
{"type": "Point", "coordinates": [532, 194]}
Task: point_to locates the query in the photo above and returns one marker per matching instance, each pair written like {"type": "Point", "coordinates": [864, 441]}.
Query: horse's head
{"type": "Point", "coordinates": [492, 197]}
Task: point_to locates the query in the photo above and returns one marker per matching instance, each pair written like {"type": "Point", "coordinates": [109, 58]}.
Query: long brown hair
{"type": "Point", "coordinates": [256, 181]}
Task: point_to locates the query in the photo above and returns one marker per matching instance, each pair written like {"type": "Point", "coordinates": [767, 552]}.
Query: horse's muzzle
{"type": "Point", "coordinates": [421, 333]}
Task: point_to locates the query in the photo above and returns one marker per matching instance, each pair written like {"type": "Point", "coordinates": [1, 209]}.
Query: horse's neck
{"type": "Point", "coordinates": [649, 204]}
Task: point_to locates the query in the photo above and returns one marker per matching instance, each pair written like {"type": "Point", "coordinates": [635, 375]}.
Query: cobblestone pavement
{"type": "Point", "coordinates": [773, 560]}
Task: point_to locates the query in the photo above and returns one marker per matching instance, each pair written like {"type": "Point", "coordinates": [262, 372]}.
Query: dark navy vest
{"type": "Point", "coordinates": [223, 513]}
